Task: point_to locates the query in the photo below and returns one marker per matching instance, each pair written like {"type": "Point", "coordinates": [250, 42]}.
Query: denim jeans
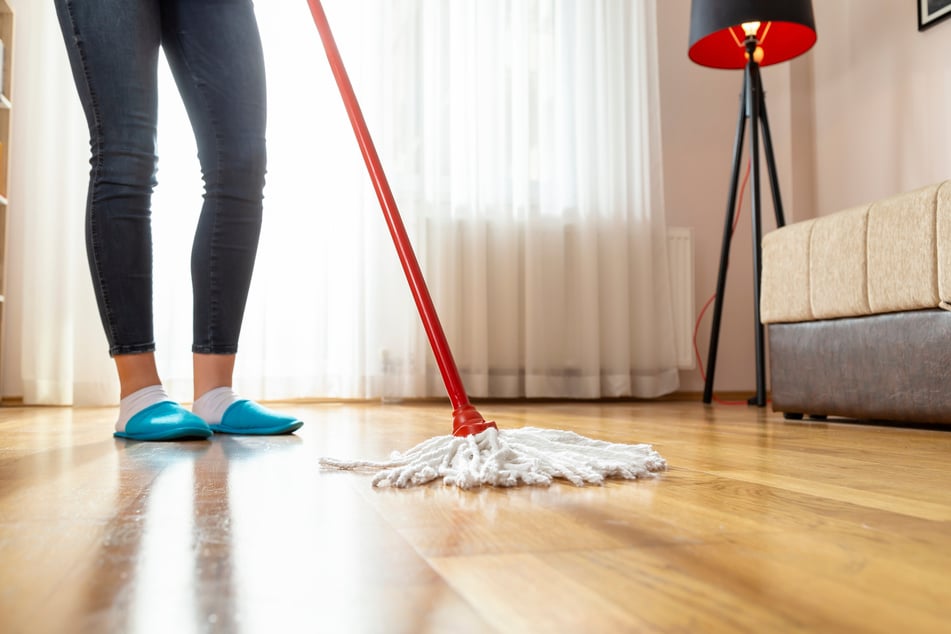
{"type": "Point", "coordinates": [214, 51]}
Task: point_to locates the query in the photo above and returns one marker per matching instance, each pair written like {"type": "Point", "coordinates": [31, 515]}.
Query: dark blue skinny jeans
{"type": "Point", "coordinates": [214, 50]}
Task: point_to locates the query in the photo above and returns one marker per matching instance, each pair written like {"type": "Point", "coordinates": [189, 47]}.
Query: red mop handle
{"type": "Point", "coordinates": [465, 419]}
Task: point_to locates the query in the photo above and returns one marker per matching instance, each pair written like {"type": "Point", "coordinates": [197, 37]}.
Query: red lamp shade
{"type": "Point", "coordinates": [787, 29]}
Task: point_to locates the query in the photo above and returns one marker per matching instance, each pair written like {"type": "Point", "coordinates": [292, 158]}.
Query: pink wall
{"type": "Point", "coordinates": [865, 114]}
{"type": "Point", "coordinates": [882, 94]}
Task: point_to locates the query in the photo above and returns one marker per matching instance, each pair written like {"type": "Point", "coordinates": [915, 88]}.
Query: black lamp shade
{"type": "Point", "coordinates": [787, 29]}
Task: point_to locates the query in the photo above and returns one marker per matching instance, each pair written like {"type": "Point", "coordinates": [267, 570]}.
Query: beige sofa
{"type": "Point", "coordinates": [856, 309]}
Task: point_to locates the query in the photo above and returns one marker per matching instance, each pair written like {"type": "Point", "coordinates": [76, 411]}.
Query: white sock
{"type": "Point", "coordinates": [138, 401]}
{"type": "Point", "coordinates": [211, 405]}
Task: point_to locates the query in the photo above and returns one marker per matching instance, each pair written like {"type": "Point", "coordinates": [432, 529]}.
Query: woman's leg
{"type": "Point", "coordinates": [214, 50]}
{"type": "Point", "coordinates": [113, 51]}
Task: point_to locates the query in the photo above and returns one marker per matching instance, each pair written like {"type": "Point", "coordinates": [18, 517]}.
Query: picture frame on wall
{"type": "Point", "coordinates": [930, 12]}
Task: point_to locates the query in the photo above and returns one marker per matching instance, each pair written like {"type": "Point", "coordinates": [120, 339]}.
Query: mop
{"type": "Point", "coordinates": [476, 453]}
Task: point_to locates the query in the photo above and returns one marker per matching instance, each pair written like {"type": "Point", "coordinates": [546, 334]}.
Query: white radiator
{"type": "Point", "coordinates": [680, 261]}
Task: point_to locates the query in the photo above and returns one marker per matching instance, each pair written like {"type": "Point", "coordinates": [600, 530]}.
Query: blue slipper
{"type": "Point", "coordinates": [249, 418]}
{"type": "Point", "coordinates": [164, 421]}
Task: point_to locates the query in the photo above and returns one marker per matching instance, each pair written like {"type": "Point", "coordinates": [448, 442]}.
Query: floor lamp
{"type": "Point", "coordinates": [748, 34]}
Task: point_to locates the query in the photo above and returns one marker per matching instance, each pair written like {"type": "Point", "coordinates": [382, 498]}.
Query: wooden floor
{"type": "Point", "coordinates": [760, 525]}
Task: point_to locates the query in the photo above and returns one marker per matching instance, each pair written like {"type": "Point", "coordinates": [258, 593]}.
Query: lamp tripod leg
{"type": "Point", "coordinates": [725, 246]}
{"type": "Point", "coordinates": [755, 103]}
{"type": "Point", "coordinates": [770, 161]}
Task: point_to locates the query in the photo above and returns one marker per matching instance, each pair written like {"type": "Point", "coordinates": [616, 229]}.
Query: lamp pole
{"type": "Point", "coordinates": [752, 107]}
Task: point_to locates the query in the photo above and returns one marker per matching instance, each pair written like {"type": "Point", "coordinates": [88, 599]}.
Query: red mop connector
{"type": "Point", "coordinates": [467, 421]}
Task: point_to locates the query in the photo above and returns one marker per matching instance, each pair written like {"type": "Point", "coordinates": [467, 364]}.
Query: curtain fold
{"type": "Point", "coordinates": [521, 138]}
{"type": "Point", "coordinates": [53, 341]}
{"type": "Point", "coordinates": [529, 144]}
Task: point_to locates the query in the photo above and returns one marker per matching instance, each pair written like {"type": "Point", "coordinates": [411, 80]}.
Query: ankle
{"type": "Point", "coordinates": [211, 371]}
{"type": "Point", "coordinates": [136, 372]}
{"type": "Point", "coordinates": [211, 405]}
{"type": "Point", "coordinates": [137, 401]}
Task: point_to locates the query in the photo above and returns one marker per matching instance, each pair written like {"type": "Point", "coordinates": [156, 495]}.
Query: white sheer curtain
{"type": "Point", "coordinates": [53, 344]}
{"type": "Point", "coordinates": [521, 138]}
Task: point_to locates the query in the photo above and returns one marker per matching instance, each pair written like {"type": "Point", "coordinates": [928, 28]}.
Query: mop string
{"type": "Point", "coordinates": [508, 458]}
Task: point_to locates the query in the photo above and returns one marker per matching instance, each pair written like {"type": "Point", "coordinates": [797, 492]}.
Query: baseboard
{"type": "Point", "coordinates": [674, 397]}
{"type": "Point", "coordinates": [694, 397]}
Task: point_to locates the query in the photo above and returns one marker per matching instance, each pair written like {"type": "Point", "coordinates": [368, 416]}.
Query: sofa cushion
{"type": "Point", "coordinates": [943, 235]}
{"type": "Point", "coordinates": [838, 264]}
{"type": "Point", "coordinates": [902, 266]}
{"type": "Point", "coordinates": [784, 287]}
{"type": "Point", "coordinates": [891, 255]}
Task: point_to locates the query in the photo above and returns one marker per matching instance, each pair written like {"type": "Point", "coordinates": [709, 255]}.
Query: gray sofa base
{"type": "Point", "coordinates": [890, 367]}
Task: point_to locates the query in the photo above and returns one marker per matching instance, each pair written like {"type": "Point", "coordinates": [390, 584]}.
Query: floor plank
{"type": "Point", "coordinates": [759, 524]}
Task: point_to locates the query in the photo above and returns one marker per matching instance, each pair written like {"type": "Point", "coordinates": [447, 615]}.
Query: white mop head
{"type": "Point", "coordinates": [509, 458]}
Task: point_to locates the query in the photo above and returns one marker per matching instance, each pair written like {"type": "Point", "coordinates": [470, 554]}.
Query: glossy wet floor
{"type": "Point", "coordinates": [759, 525]}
